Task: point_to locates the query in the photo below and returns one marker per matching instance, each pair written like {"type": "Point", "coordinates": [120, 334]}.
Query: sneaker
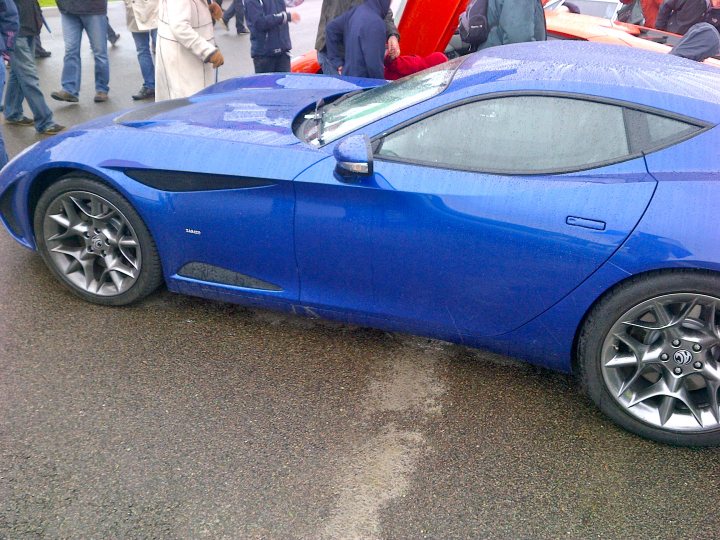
{"type": "Point", "coordinates": [23, 121]}
{"type": "Point", "coordinates": [52, 129]}
{"type": "Point", "coordinates": [100, 97]}
{"type": "Point", "coordinates": [113, 39]}
{"type": "Point", "coordinates": [42, 53]}
{"type": "Point", "coordinates": [145, 93]}
{"type": "Point", "coordinates": [63, 95]}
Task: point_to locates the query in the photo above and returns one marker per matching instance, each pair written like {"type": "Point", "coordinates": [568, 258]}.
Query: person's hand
{"type": "Point", "coordinates": [215, 11]}
{"type": "Point", "coordinates": [393, 47]}
{"type": "Point", "coordinates": [340, 70]}
{"type": "Point", "coordinates": [217, 59]}
{"type": "Point", "coordinates": [294, 16]}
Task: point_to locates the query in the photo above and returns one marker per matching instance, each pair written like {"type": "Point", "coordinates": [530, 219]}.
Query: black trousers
{"type": "Point", "coordinates": [272, 64]}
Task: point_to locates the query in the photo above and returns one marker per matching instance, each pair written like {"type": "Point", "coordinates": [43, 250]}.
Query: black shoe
{"type": "Point", "coordinates": [243, 30]}
{"type": "Point", "coordinates": [113, 39]}
{"type": "Point", "coordinates": [52, 129]}
{"type": "Point", "coordinates": [63, 95]}
{"type": "Point", "coordinates": [23, 121]}
{"type": "Point", "coordinates": [42, 53]}
{"type": "Point", "coordinates": [145, 93]}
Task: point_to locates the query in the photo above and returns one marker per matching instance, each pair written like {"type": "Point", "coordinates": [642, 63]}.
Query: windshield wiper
{"type": "Point", "coordinates": [318, 116]}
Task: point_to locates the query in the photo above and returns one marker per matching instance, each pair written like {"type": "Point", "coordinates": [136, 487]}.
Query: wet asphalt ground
{"type": "Point", "coordinates": [183, 418]}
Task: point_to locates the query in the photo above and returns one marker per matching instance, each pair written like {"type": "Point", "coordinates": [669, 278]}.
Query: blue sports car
{"type": "Point", "coordinates": [552, 201]}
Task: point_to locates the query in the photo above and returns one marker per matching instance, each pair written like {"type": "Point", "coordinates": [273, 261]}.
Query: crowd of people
{"type": "Point", "coordinates": [177, 53]}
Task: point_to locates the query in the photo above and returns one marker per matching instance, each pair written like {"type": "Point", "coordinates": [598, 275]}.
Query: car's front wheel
{"type": "Point", "coordinates": [649, 357]}
{"type": "Point", "coordinates": [95, 242]}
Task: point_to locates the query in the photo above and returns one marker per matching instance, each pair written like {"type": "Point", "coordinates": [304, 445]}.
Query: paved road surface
{"type": "Point", "coordinates": [181, 418]}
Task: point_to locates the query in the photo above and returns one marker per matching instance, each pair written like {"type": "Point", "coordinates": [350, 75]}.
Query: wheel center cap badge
{"type": "Point", "coordinates": [682, 357]}
{"type": "Point", "coordinates": [97, 242]}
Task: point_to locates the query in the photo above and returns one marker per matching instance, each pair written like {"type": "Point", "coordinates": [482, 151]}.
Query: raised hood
{"type": "Point", "coordinates": [258, 109]}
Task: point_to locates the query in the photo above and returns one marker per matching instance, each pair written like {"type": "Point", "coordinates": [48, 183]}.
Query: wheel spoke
{"type": "Point", "coordinates": [667, 407]}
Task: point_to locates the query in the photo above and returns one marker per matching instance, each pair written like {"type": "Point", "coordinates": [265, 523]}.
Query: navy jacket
{"type": "Point", "coordinates": [30, 17]}
{"type": "Point", "coordinates": [82, 7]}
{"type": "Point", "coordinates": [678, 16]}
{"type": "Point", "coordinates": [9, 26]}
{"type": "Point", "coordinates": [362, 33]}
{"type": "Point", "coordinates": [268, 23]}
{"type": "Point", "coordinates": [700, 42]}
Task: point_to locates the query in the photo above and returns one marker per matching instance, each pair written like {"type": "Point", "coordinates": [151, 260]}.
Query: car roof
{"type": "Point", "coordinates": [575, 66]}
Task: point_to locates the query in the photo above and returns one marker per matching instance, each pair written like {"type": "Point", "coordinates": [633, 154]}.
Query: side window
{"type": "Point", "coordinates": [650, 132]}
{"type": "Point", "coordinates": [515, 135]}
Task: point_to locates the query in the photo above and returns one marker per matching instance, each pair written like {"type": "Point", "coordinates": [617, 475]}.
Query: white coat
{"type": "Point", "coordinates": [142, 15]}
{"type": "Point", "coordinates": [185, 42]}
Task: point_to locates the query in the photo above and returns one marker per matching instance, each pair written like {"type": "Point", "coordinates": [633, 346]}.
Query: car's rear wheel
{"type": "Point", "coordinates": [649, 357]}
{"type": "Point", "coordinates": [95, 243]}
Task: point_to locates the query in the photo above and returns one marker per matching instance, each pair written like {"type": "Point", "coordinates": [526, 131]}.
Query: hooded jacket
{"type": "Point", "coordinates": [700, 42]}
{"type": "Point", "coordinates": [515, 21]}
{"type": "Point", "coordinates": [268, 21]}
{"type": "Point", "coordinates": [678, 16]}
{"type": "Point", "coordinates": [82, 7]}
{"type": "Point", "coordinates": [334, 8]}
{"type": "Point", "coordinates": [361, 32]}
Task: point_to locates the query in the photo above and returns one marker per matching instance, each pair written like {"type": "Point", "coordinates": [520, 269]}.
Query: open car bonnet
{"type": "Point", "coordinates": [258, 109]}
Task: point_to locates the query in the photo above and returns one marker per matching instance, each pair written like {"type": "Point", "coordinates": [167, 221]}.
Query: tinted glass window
{"type": "Point", "coordinates": [649, 132]}
{"type": "Point", "coordinates": [517, 134]}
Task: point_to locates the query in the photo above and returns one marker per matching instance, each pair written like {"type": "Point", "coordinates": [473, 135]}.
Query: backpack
{"type": "Point", "coordinates": [473, 26]}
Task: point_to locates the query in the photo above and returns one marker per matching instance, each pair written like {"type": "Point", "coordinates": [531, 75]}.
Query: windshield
{"type": "Point", "coordinates": [332, 121]}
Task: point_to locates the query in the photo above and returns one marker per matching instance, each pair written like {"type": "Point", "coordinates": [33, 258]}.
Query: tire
{"type": "Point", "coordinates": [95, 243]}
{"type": "Point", "coordinates": [649, 357]}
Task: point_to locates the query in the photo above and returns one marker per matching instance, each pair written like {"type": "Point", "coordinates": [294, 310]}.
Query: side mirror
{"type": "Point", "coordinates": [354, 158]}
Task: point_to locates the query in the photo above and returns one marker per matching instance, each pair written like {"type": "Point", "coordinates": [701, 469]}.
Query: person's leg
{"type": "Point", "coordinates": [145, 59]}
{"type": "Point", "coordinates": [112, 35]}
{"type": "Point", "coordinates": [229, 13]}
{"type": "Point", "coordinates": [240, 18]}
{"type": "Point", "coordinates": [264, 64]}
{"type": "Point", "coordinates": [25, 73]}
{"type": "Point", "coordinates": [3, 152]}
{"type": "Point", "coordinates": [96, 28]}
{"type": "Point", "coordinates": [282, 63]}
{"type": "Point", "coordinates": [72, 36]}
{"type": "Point", "coordinates": [13, 92]}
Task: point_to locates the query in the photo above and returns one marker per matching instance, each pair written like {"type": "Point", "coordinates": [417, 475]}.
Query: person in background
{"type": "Point", "coordinates": [712, 15]}
{"type": "Point", "coordinates": [514, 21]}
{"type": "Point", "coordinates": [677, 16]}
{"type": "Point", "coordinates": [649, 10]}
{"type": "Point", "coordinates": [90, 16]}
{"type": "Point", "coordinates": [699, 43]}
{"type": "Point", "coordinates": [142, 21]}
{"type": "Point", "coordinates": [112, 35]}
{"type": "Point", "coordinates": [236, 10]}
{"type": "Point", "coordinates": [23, 82]}
{"type": "Point", "coordinates": [331, 9]}
{"type": "Point", "coordinates": [186, 52]}
{"type": "Point", "coordinates": [9, 26]}
{"type": "Point", "coordinates": [356, 40]}
{"type": "Point", "coordinates": [270, 34]}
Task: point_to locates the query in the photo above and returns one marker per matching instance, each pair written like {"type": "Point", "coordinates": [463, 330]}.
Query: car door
{"type": "Point", "coordinates": [477, 217]}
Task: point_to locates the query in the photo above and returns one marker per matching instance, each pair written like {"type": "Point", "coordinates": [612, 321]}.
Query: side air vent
{"type": "Point", "coordinates": [215, 274]}
{"type": "Point", "coordinates": [7, 211]}
{"type": "Point", "coordinates": [190, 181]}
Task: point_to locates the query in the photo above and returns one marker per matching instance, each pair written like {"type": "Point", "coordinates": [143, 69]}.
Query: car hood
{"type": "Point", "coordinates": [257, 109]}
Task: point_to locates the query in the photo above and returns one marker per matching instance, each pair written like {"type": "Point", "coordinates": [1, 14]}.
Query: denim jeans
{"type": "Point", "coordinates": [96, 28]}
{"type": "Point", "coordinates": [236, 10]}
{"type": "Point", "coordinates": [278, 63]}
{"type": "Point", "coordinates": [3, 152]}
{"type": "Point", "coordinates": [142, 46]}
{"type": "Point", "coordinates": [23, 83]}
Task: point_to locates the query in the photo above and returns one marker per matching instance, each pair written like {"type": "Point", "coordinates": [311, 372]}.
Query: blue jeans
{"type": "Point", "coordinates": [96, 28]}
{"type": "Point", "coordinates": [23, 83]}
{"type": "Point", "coordinates": [142, 46]}
{"type": "Point", "coordinates": [3, 152]}
{"type": "Point", "coordinates": [236, 10]}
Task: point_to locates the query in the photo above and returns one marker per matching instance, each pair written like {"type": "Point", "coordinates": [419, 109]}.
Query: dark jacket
{"type": "Point", "coordinates": [30, 17]}
{"type": "Point", "coordinates": [515, 21]}
{"type": "Point", "coordinates": [700, 42]}
{"type": "Point", "coordinates": [712, 16]}
{"type": "Point", "coordinates": [332, 9]}
{"type": "Point", "coordinates": [678, 16]}
{"type": "Point", "coordinates": [9, 26]}
{"type": "Point", "coordinates": [361, 33]}
{"type": "Point", "coordinates": [268, 23]}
